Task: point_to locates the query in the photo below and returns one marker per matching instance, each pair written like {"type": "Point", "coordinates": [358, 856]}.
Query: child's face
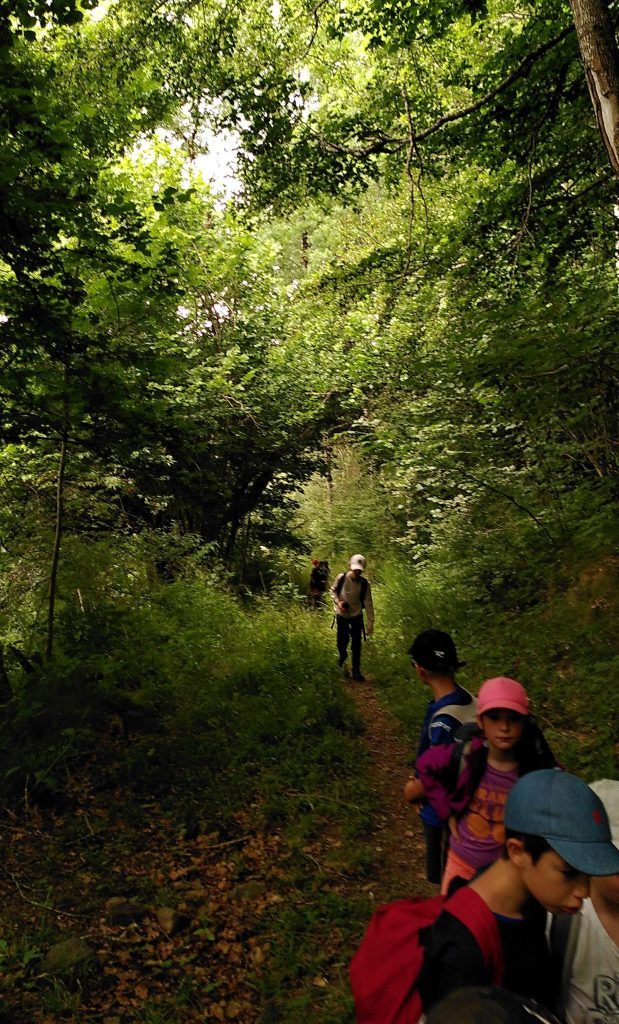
{"type": "Point", "coordinates": [502, 728]}
{"type": "Point", "coordinates": [552, 881]}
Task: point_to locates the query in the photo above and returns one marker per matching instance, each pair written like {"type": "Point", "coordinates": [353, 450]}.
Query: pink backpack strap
{"type": "Point", "coordinates": [469, 908]}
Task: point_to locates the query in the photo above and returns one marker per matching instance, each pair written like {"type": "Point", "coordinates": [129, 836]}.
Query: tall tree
{"type": "Point", "coordinates": [598, 46]}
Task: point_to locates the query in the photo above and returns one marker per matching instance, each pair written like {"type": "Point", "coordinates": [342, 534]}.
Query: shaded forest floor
{"type": "Point", "coordinates": [178, 926]}
{"type": "Point", "coordinates": [397, 834]}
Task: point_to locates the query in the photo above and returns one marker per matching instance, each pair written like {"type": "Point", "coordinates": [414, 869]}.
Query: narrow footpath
{"type": "Point", "coordinates": [398, 833]}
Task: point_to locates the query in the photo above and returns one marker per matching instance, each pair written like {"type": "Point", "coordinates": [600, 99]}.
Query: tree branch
{"type": "Point", "coordinates": [521, 71]}
{"type": "Point", "coordinates": [514, 501]}
{"type": "Point", "coordinates": [387, 144]}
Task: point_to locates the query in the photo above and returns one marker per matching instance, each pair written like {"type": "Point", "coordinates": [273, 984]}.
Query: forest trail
{"type": "Point", "coordinates": [397, 834]}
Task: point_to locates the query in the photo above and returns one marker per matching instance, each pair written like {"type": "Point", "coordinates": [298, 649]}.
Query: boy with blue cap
{"type": "Point", "coordinates": [557, 836]}
{"type": "Point", "coordinates": [587, 944]}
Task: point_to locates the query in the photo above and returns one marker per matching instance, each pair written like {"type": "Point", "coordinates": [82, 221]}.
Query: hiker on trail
{"type": "Point", "coordinates": [352, 595]}
{"type": "Point", "coordinates": [587, 943]}
{"type": "Point", "coordinates": [557, 836]}
{"type": "Point", "coordinates": [318, 581]}
{"type": "Point", "coordinates": [491, 931]}
{"type": "Point", "coordinates": [434, 657]}
{"type": "Point", "coordinates": [467, 782]}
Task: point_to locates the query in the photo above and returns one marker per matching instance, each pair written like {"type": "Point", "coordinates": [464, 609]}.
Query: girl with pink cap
{"type": "Point", "coordinates": [467, 782]}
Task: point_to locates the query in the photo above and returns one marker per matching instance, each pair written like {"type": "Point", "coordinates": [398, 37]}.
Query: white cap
{"type": "Point", "coordinates": [608, 792]}
{"type": "Point", "coordinates": [357, 562]}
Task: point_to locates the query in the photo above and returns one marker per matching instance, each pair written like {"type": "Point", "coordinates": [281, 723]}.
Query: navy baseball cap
{"type": "Point", "coordinates": [564, 811]}
{"type": "Point", "coordinates": [435, 651]}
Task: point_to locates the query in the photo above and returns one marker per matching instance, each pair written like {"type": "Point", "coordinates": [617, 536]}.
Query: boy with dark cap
{"type": "Point", "coordinates": [435, 659]}
{"type": "Point", "coordinates": [557, 836]}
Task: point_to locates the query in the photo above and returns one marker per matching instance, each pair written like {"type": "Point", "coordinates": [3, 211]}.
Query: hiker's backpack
{"type": "Point", "coordinates": [323, 572]}
{"type": "Point", "coordinates": [460, 749]}
{"type": "Point", "coordinates": [385, 969]}
{"type": "Point", "coordinates": [463, 713]}
{"type": "Point", "coordinates": [339, 583]}
{"type": "Point", "coordinates": [318, 579]}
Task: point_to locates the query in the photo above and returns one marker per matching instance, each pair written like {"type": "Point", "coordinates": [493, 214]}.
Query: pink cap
{"type": "Point", "coordinates": [502, 692]}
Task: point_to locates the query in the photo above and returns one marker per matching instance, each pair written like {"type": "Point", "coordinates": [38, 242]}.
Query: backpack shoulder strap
{"type": "Point", "coordinates": [461, 712]}
{"type": "Point", "coordinates": [460, 749]}
{"type": "Point", "coordinates": [468, 907]}
{"type": "Point", "coordinates": [465, 733]}
{"type": "Point", "coordinates": [339, 583]}
{"type": "Point", "coordinates": [363, 591]}
{"type": "Point", "coordinates": [563, 937]}
{"type": "Point", "coordinates": [533, 749]}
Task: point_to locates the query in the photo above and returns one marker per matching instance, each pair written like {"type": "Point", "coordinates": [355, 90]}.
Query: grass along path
{"type": "Point", "coordinates": [397, 834]}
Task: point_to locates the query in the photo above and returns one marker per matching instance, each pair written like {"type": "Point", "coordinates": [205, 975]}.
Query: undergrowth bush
{"type": "Point", "coordinates": [529, 595]}
{"type": "Point", "coordinates": [220, 696]}
{"type": "Point", "coordinates": [561, 647]}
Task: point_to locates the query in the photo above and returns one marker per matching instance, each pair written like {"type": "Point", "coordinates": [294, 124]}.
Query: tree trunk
{"type": "Point", "coordinates": [304, 250]}
{"type": "Point", "coordinates": [56, 551]}
{"type": "Point", "coordinates": [6, 693]}
{"type": "Point", "coordinates": [233, 529]}
{"type": "Point", "coordinates": [245, 549]}
{"type": "Point", "coordinates": [598, 48]}
{"type": "Point", "coordinates": [329, 473]}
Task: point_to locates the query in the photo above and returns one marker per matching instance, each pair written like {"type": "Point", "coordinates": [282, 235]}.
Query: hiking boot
{"type": "Point", "coordinates": [358, 677]}
{"type": "Point", "coordinates": [341, 660]}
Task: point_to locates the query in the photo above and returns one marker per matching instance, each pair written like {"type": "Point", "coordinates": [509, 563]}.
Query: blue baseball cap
{"type": "Point", "coordinates": [564, 811]}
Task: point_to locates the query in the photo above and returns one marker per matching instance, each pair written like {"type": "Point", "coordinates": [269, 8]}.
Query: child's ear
{"type": "Point", "coordinates": [479, 722]}
{"type": "Point", "coordinates": [516, 852]}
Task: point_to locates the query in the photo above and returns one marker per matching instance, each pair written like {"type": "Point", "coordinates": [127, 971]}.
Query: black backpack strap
{"type": "Point", "coordinates": [533, 750]}
{"type": "Point", "coordinates": [563, 936]}
{"type": "Point", "coordinates": [339, 583]}
{"type": "Point", "coordinates": [460, 746]}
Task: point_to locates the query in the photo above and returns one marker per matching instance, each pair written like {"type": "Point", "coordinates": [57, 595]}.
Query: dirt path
{"type": "Point", "coordinates": [398, 834]}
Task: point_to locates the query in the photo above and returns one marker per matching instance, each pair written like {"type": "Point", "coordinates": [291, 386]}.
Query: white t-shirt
{"type": "Point", "coordinates": [593, 994]}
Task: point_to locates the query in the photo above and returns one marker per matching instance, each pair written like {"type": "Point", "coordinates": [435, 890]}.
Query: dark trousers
{"type": "Point", "coordinates": [350, 629]}
{"type": "Point", "coordinates": [434, 852]}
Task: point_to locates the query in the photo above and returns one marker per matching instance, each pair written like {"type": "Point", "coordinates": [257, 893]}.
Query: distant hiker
{"type": "Point", "coordinates": [586, 944]}
{"type": "Point", "coordinates": [466, 783]}
{"type": "Point", "coordinates": [434, 657]}
{"type": "Point", "coordinates": [318, 582]}
{"type": "Point", "coordinates": [352, 595]}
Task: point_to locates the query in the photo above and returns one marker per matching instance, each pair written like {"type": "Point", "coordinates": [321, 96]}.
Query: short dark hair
{"type": "Point", "coordinates": [535, 846]}
{"type": "Point", "coordinates": [487, 1005]}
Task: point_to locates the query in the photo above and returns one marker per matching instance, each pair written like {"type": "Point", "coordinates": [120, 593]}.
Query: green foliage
{"type": "Point", "coordinates": [561, 645]}
{"type": "Point", "coordinates": [295, 988]}
{"type": "Point", "coordinates": [219, 695]}
{"type": "Point", "coordinates": [346, 513]}
{"type": "Point", "coordinates": [418, 361]}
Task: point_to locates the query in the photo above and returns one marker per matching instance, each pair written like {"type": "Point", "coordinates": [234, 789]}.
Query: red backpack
{"type": "Point", "coordinates": [385, 969]}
